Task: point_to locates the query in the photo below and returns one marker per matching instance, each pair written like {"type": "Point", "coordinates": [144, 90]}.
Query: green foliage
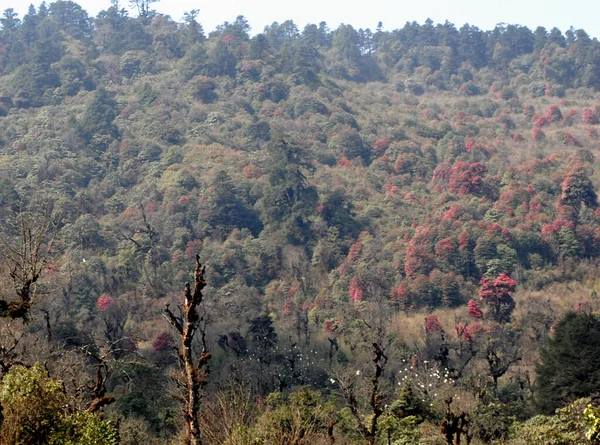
{"type": "Point", "coordinates": [565, 427]}
{"type": "Point", "coordinates": [224, 210]}
{"type": "Point", "coordinates": [35, 410]}
{"type": "Point", "coordinates": [97, 121]}
{"type": "Point", "coordinates": [491, 422]}
{"type": "Point", "coordinates": [591, 416]}
{"type": "Point", "coordinates": [400, 430]}
{"type": "Point", "coordinates": [83, 428]}
{"type": "Point", "coordinates": [569, 365]}
{"type": "Point", "coordinates": [301, 418]}
{"type": "Point", "coordinates": [32, 406]}
{"type": "Point", "coordinates": [302, 164]}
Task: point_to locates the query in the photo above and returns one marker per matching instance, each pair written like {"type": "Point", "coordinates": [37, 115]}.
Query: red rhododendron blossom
{"type": "Point", "coordinates": [466, 178]}
{"type": "Point", "coordinates": [401, 296]}
{"type": "Point", "coordinates": [541, 121]}
{"type": "Point", "coordinates": [104, 303]}
{"type": "Point", "coordinates": [381, 145]}
{"type": "Point", "coordinates": [330, 326]}
{"type": "Point", "coordinates": [414, 360]}
{"type": "Point", "coordinates": [554, 114]}
{"type": "Point", "coordinates": [432, 324]}
{"type": "Point", "coordinates": [497, 295]}
{"type": "Point", "coordinates": [474, 310]}
{"type": "Point", "coordinates": [538, 134]}
{"type": "Point", "coordinates": [354, 252]}
{"type": "Point", "coordinates": [469, 145]}
{"type": "Point", "coordinates": [293, 288]}
{"type": "Point", "coordinates": [568, 138]}
{"type": "Point", "coordinates": [306, 307]}
{"type": "Point", "coordinates": [164, 342]}
{"type": "Point", "coordinates": [344, 162]}
{"type": "Point", "coordinates": [590, 117]}
{"type": "Point", "coordinates": [356, 290]}
{"type": "Point", "coordinates": [288, 307]}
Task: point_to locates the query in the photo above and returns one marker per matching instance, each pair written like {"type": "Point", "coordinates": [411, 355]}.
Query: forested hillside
{"type": "Point", "coordinates": [400, 230]}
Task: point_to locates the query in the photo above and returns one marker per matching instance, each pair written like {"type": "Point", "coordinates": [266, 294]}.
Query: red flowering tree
{"type": "Point", "coordinates": [467, 178]}
{"type": "Point", "coordinates": [354, 252]}
{"type": "Point", "coordinates": [590, 117]}
{"type": "Point", "coordinates": [105, 303]}
{"type": "Point", "coordinates": [356, 289]}
{"type": "Point", "coordinates": [554, 114]}
{"type": "Point", "coordinates": [344, 162]}
{"type": "Point", "coordinates": [381, 145]}
{"type": "Point", "coordinates": [538, 135]}
{"type": "Point", "coordinates": [497, 296]}
{"type": "Point", "coordinates": [474, 310]}
{"type": "Point", "coordinates": [419, 260]}
{"type": "Point", "coordinates": [569, 139]}
{"type": "Point", "coordinates": [432, 324]}
{"type": "Point", "coordinates": [540, 121]}
{"type": "Point", "coordinates": [401, 297]}
{"type": "Point", "coordinates": [163, 342]}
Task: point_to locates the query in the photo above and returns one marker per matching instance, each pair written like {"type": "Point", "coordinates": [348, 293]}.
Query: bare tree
{"type": "Point", "coordinates": [142, 6]}
{"type": "Point", "coordinates": [25, 246]}
{"type": "Point", "coordinates": [368, 431]}
{"type": "Point", "coordinates": [194, 372]}
{"type": "Point", "coordinates": [145, 237]}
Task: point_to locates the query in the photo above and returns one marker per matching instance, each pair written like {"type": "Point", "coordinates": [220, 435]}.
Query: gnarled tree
{"type": "Point", "coordinates": [368, 427]}
{"type": "Point", "coordinates": [24, 247]}
{"type": "Point", "coordinates": [194, 371]}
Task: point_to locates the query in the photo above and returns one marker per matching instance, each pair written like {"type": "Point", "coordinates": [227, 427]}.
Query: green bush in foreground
{"type": "Point", "coordinates": [35, 410]}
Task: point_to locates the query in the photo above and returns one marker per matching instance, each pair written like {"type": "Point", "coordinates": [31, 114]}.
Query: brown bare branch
{"type": "Point", "coordinates": [194, 372]}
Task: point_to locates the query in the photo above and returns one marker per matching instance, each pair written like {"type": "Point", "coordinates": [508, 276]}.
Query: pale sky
{"type": "Point", "coordinates": [366, 14]}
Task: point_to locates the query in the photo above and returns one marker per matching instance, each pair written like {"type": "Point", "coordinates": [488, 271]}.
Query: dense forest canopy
{"type": "Point", "coordinates": [394, 224]}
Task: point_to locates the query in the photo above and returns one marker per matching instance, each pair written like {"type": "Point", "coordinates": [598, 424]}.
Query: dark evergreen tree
{"type": "Point", "coordinates": [220, 61]}
{"type": "Point", "coordinates": [259, 47]}
{"type": "Point", "coordinates": [472, 46]}
{"type": "Point", "coordinates": [557, 37]}
{"type": "Point", "coordinates": [116, 32]}
{"type": "Point", "coordinates": [569, 366]}
{"type": "Point", "coordinates": [71, 18]}
{"type": "Point", "coordinates": [10, 44]}
{"type": "Point", "coordinates": [96, 125]}
{"type": "Point", "coordinates": [29, 27]}
{"type": "Point", "coordinates": [289, 198]}
{"type": "Point", "coordinates": [338, 211]}
{"type": "Point", "coordinates": [194, 61]}
{"type": "Point", "coordinates": [224, 210]}
{"type": "Point", "coordinates": [193, 31]}
{"type": "Point", "coordinates": [262, 338]}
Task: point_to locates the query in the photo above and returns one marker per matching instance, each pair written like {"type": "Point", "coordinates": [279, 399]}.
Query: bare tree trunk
{"type": "Point", "coordinates": [25, 255]}
{"type": "Point", "coordinates": [369, 433]}
{"type": "Point", "coordinates": [194, 375]}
